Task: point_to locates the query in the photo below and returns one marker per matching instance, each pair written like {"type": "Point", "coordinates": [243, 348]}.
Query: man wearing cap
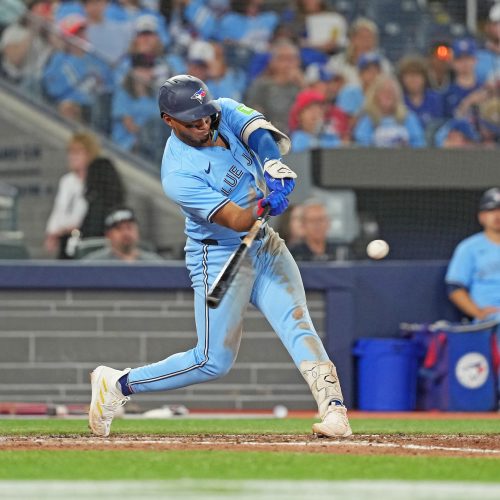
{"type": "Point", "coordinates": [122, 233]}
{"type": "Point", "coordinates": [488, 58]}
{"type": "Point", "coordinates": [473, 276]}
{"type": "Point", "coordinates": [464, 63]}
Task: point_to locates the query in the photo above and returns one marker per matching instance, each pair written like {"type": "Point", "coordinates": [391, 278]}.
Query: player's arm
{"type": "Point", "coordinates": [462, 299]}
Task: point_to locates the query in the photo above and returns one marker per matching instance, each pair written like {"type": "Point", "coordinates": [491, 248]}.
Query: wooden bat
{"type": "Point", "coordinates": [223, 281]}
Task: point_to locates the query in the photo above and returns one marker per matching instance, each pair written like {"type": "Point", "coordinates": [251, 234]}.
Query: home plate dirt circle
{"type": "Point", "coordinates": [369, 444]}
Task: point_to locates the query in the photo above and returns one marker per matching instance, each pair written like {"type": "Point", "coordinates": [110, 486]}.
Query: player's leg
{"type": "Point", "coordinates": [279, 293]}
{"type": "Point", "coordinates": [219, 334]}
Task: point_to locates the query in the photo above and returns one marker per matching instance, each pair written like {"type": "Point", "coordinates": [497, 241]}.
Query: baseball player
{"type": "Point", "coordinates": [222, 166]}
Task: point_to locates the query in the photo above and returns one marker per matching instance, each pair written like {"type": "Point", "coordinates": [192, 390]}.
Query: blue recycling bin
{"type": "Point", "coordinates": [387, 372]}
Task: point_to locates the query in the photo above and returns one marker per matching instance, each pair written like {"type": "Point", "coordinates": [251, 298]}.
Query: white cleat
{"type": "Point", "coordinates": [335, 423]}
{"type": "Point", "coordinates": [107, 399]}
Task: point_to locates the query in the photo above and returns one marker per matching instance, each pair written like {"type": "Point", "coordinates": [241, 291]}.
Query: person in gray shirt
{"type": "Point", "coordinates": [122, 233]}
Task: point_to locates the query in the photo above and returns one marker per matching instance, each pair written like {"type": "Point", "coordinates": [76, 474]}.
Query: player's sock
{"type": "Point", "coordinates": [122, 384]}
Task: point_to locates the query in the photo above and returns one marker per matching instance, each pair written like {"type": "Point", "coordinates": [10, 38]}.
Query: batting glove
{"type": "Point", "coordinates": [276, 200]}
{"type": "Point", "coordinates": [279, 177]}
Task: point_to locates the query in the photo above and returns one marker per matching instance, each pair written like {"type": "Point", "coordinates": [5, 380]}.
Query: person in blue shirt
{"type": "Point", "coordinates": [465, 82]}
{"type": "Point", "coordinates": [222, 166]}
{"type": "Point", "coordinates": [456, 133]}
{"type": "Point", "coordinates": [426, 103]}
{"type": "Point", "coordinates": [387, 122]}
{"type": "Point", "coordinates": [488, 58]}
{"type": "Point", "coordinates": [134, 103]}
{"type": "Point", "coordinates": [473, 275]}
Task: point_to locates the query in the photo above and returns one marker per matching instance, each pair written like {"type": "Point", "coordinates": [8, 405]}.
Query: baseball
{"type": "Point", "coordinates": [377, 249]}
{"type": "Point", "coordinates": [280, 411]}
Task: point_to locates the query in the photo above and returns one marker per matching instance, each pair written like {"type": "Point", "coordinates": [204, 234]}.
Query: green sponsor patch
{"type": "Point", "coordinates": [243, 109]}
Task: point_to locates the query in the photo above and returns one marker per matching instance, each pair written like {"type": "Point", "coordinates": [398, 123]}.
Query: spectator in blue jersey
{"type": "Point", "coordinates": [488, 58]}
{"type": "Point", "coordinates": [473, 276]}
{"type": "Point", "coordinates": [465, 82]}
{"type": "Point", "coordinates": [134, 103]}
{"type": "Point", "coordinates": [456, 133]}
{"type": "Point", "coordinates": [74, 77]}
{"type": "Point", "coordinates": [203, 17]}
{"type": "Point", "coordinates": [386, 121]}
{"type": "Point", "coordinates": [352, 96]}
{"type": "Point", "coordinates": [309, 111]}
{"type": "Point", "coordinates": [426, 103]}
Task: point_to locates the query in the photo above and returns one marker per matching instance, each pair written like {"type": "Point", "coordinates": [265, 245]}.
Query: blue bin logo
{"type": "Point", "coordinates": [472, 370]}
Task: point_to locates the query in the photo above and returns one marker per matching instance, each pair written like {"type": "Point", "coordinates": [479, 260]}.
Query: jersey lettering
{"type": "Point", "coordinates": [231, 179]}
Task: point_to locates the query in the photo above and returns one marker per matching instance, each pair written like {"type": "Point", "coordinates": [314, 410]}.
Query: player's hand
{"type": "Point", "coordinates": [276, 200]}
{"type": "Point", "coordinates": [279, 177]}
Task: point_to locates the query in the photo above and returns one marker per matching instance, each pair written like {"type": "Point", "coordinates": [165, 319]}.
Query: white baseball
{"type": "Point", "coordinates": [377, 249]}
{"type": "Point", "coordinates": [280, 411]}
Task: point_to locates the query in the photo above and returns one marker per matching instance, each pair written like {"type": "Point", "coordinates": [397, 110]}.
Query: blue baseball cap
{"type": "Point", "coordinates": [464, 47]}
{"type": "Point", "coordinates": [490, 200]}
{"type": "Point", "coordinates": [465, 127]}
{"type": "Point", "coordinates": [369, 58]}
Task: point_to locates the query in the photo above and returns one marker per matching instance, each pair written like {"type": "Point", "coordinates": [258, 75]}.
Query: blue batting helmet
{"type": "Point", "coordinates": [186, 98]}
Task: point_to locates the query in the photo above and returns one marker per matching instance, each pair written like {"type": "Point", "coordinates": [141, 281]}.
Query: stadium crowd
{"type": "Point", "coordinates": [315, 73]}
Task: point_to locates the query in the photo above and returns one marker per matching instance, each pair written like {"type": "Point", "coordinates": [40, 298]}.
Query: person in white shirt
{"type": "Point", "coordinates": [70, 205]}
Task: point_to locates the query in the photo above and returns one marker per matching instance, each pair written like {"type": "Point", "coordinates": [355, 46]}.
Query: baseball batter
{"type": "Point", "coordinates": [222, 166]}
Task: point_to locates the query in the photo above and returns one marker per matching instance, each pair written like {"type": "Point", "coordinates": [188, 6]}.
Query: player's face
{"type": "Point", "coordinates": [490, 220]}
{"type": "Point", "coordinates": [196, 134]}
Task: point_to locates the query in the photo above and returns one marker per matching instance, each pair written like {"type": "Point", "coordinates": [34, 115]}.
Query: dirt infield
{"type": "Point", "coordinates": [416, 445]}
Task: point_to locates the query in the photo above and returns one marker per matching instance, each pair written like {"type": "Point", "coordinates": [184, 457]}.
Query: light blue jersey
{"type": "Point", "coordinates": [475, 265]}
{"type": "Point", "coordinates": [202, 180]}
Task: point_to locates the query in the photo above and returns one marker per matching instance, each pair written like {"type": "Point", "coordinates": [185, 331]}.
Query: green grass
{"type": "Point", "coordinates": [238, 465]}
{"type": "Point", "coordinates": [249, 426]}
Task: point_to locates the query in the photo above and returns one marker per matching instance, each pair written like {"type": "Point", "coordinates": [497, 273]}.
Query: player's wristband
{"type": "Point", "coordinates": [258, 209]}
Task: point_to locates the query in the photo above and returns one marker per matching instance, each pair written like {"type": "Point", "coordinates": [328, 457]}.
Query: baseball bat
{"type": "Point", "coordinates": [226, 276]}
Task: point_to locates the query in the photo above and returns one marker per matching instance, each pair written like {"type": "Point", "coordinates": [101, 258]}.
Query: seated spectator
{"type": "Point", "coordinates": [70, 204]}
{"type": "Point", "coordinates": [456, 133]}
{"type": "Point", "coordinates": [200, 57]}
{"type": "Point", "coordinates": [202, 17]}
{"type": "Point", "coordinates": [73, 77]}
{"type": "Point", "coordinates": [387, 122]}
{"type": "Point", "coordinates": [315, 245]}
{"type": "Point", "coordinates": [274, 92]}
{"type": "Point", "coordinates": [122, 233]}
{"type": "Point", "coordinates": [25, 46]}
{"type": "Point", "coordinates": [352, 96]}
{"type": "Point", "coordinates": [426, 103]}
{"type": "Point", "coordinates": [290, 226]}
{"type": "Point", "coordinates": [463, 64]}
{"type": "Point", "coordinates": [134, 102]}
{"type": "Point", "coordinates": [488, 121]}
{"type": "Point", "coordinates": [318, 27]}
{"type": "Point", "coordinates": [488, 58]}
{"type": "Point", "coordinates": [309, 112]}
{"type": "Point", "coordinates": [104, 189]}
{"type": "Point", "coordinates": [320, 79]}
{"type": "Point", "coordinates": [473, 276]}
{"type": "Point", "coordinates": [363, 39]}
{"type": "Point", "coordinates": [109, 39]}
{"type": "Point", "coordinates": [439, 66]}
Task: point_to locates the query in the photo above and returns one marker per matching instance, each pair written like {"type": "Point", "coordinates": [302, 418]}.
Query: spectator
{"type": "Point", "coordinates": [110, 39]}
{"type": "Point", "coordinates": [318, 27]}
{"type": "Point", "coordinates": [202, 17]}
{"type": "Point", "coordinates": [25, 45]}
{"type": "Point", "coordinates": [70, 205]}
{"type": "Point", "coordinates": [363, 39]}
{"type": "Point", "coordinates": [320, 79]}
{"type": "Point", "coordinates": [387, 122]}
{"type": "Point", "coordinates": [489, 121]}
{"type": "Point", "coordinates": [426, 103]}
{"type": "Point", "coordinates": [309, 111]}
{"type": "Point", "coordinates": [74, 78]}
{"type": "Point", "coordinates": [274, 92]}
{"type": "Point", "coordinates": [463, 63]}
{"type": "Point", "coordinates": [352, 96]}
{"type": "Point", "coordinates": [488, 58]}
{"type": "Point", "coordinates": [315, 245]}
{"type": "Point", "coordinates": [200, 57]}
{"type": "Point", "coordinates": [291, 227]}
{"type": "Point", "coordinates": [439, 66]}
{"type": "Point", "coordinates": [134, 102]}
{"type": "Point", "coordinates": [473, 276]}
{"type": "Point", "coordinates": [122, 234]}
{"type": "Point", "coordinates": [104, 190]}
{"type": "Point", "coordinates": [456, 133]}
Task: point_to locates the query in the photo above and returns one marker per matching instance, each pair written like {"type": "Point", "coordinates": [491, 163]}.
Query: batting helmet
{"type": "Point", "coordinates": [186, 98]}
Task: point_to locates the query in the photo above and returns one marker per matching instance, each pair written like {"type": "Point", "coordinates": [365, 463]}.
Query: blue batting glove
{"type": "Point", "coordinates": [284, 186]}
{"type": "Point", "coordinates": [276, 200]}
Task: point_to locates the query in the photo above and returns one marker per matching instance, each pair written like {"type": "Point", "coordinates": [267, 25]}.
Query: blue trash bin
{"type": "Point", "coordinates": [387, 374]}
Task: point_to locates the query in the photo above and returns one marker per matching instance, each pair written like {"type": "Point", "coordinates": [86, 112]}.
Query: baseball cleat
{"type": "Point", "coordinates": [335, 423]}
{"type": "Point", "coordinates": [107, 399]}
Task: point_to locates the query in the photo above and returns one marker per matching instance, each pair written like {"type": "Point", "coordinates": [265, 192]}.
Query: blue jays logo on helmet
{"type": "Point", "coordinates": [199, 95]}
